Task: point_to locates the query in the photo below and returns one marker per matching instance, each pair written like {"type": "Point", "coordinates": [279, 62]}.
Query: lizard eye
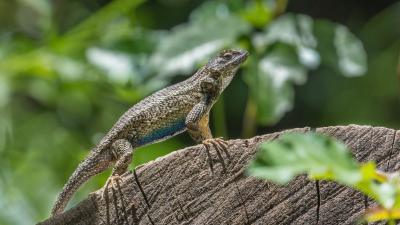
{"type": "Point", "coordinates": [227, 56]}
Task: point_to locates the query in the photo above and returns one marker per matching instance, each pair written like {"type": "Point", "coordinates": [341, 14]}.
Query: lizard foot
{"type": "Point", "coordinates": [118, 204]}
{"type": "Point", "coordinates": [113, 180]}
{"type": "Point", "coordinates": [219, 145]}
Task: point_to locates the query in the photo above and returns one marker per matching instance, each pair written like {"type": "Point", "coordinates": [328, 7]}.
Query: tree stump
{"type": "Point", "coordinates": [181, 189]}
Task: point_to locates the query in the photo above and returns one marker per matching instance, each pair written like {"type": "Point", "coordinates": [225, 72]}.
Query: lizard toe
{"type": "Point", "coordinates": [218, 146]}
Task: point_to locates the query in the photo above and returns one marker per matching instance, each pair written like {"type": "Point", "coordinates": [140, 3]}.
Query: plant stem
{"type": "Point", "coordinates": [219, 118]}
{"type": "Point", "coordinates": [249, 120]}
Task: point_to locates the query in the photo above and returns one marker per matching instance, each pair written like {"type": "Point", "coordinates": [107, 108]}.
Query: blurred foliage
{"type": "Point", "coordinates": [324, 158]}
{"type": "Point", "coordinates": [69, 69]}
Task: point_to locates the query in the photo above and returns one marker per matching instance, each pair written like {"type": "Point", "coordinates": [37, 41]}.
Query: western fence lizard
{"type": "Point", "coordinates": [168, 112]}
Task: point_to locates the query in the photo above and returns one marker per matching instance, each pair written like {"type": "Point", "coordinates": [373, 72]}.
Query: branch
{"type": "Point", "coordinates": [180, 189]}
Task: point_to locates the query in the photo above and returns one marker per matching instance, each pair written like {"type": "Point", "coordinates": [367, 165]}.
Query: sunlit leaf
{"type": "Point", "coordinates": [295, 30]}
{"type": "Point", "coordinates": [352, 60]}
{"type": "Point", "coordinates": [194, 42]}
{"type": "Point", "coordinates": [43, 63]}
{"type": "Point", "coordinates": [258, 13]}
{"type": "Point", "coordinates": [271, 82]}
{"type": "Point", "coordinates": [314, 43]}
{"type": "Point", "coordinates": [294, 154]}
{"type": "Point", "coordinates": [340, 49]}
{"type": "Point", "coordinates": [385, 191]}
{"type": "Point", "coordinates": [321, 157]}
{"type": "Point", "coordinates": [116, 65]}
{"type": "Point", "coordinates": [379, 214]}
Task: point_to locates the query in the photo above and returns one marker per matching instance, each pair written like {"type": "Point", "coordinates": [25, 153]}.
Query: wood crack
{"type": "Point", "coordinates": [391, 150]}
{"type": "Point", "coordinates": [143, 194]}
{"type": "Point", "coordinates": [141, 189]}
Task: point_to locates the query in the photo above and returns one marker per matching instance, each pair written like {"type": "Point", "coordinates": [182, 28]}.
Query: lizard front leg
{"type": "Point", "coordinates": [197, 124]}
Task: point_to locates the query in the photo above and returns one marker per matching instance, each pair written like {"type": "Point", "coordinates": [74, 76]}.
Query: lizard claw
{"type": "Point", "coordinates": [111, 180]}
{"type": "Point", "coordinates": [223, 145]}
{"type": "Point", "coordinates": [219, 145]}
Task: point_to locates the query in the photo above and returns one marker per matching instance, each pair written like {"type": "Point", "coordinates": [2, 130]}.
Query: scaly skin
{"type": "Point", "coordinates": [184, 106]}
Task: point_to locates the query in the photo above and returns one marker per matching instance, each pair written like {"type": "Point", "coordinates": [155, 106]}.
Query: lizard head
{"type": "Point", "coordinates": [224, 66]}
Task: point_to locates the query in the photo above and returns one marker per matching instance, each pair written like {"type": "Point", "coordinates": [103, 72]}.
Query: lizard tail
{"type": "Point", "coordinates": [69, 189]}
{"type": "Point", "coordinates": [94, 164]}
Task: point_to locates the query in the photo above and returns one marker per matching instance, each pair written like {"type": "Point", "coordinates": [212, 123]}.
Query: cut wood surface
{"type": "Point", "coordinates": [180, 189]}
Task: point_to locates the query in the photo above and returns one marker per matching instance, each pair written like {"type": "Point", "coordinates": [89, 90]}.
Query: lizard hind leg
{"type": "Point", "coordinates": [122, 152]}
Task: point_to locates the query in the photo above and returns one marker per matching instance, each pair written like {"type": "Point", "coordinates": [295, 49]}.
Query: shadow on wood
{"type": "Point", "coordinates": [180, 188]}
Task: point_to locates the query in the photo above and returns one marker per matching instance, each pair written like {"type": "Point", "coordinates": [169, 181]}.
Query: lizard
{"type": "Point", "coordinates": [184, 106]}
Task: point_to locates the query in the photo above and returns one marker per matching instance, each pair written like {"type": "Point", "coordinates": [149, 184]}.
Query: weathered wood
{"type": "Point", "coordinates": [180, 189]}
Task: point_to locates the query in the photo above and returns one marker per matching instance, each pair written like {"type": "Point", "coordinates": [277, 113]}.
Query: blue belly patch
{"type": "Point", "coordinates": [163, 132]}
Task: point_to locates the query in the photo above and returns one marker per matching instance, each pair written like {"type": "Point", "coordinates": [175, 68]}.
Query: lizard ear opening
{"type": "Point", "coordinates": [208, 85]}
{"type": "Point", "coordinates": [215, 74]}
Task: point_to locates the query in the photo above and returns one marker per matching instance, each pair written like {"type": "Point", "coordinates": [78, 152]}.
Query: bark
{"type": "Point", "coordinates": [180, 188]}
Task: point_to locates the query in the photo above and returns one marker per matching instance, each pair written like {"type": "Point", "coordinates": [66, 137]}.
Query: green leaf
{"type": "Point", "coordinates": [294, 30]}
{"type": "Point", "coordinates": [379, 214]}
{"type": "Point", "coordinates": [117, 66]}
{"type": "Point", "coordinates": [94, 26]}
{"type": "Point", "coordinates": [55, 57]}
{"type": "Point", "coordinates": [43, 63]}
{"type": "Point", "coordinates": [129, 39]}
{"type": "Point", "coordinates": [340, 49]}
{"type": "Point", "coordinates": [311, 43]}
{"type": "Point", "coordinates": [315, 40]}
{"type": "Point", "coordinates": [352, 59]}
{"type": "Point", "coordinates": [258, 13]}
{"type": "Point", "coordinates": [194, 42]}
{"type": "Point", "coordinates": [322, 157]}
{"type": "Point", "coordinates": [293, 154]}
{"type": "Point", "coordinates": [270, 80]}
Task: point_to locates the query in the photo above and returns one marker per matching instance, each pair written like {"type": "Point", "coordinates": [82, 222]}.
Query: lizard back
{"type": "Point", "coordinates": [158, 116]}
